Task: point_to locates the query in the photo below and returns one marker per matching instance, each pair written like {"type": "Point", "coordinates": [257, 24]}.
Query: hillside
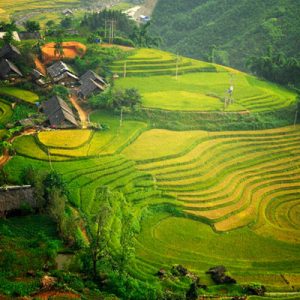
{"type": "Point", "coordinates": [235, 30]}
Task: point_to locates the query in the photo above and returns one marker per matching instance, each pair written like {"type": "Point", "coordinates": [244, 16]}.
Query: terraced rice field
{"type": "Point", "coordinates": [228, 198]}
{"type": "Point", "coordinates": [8, 7]}
{"type": "Point", "coordinates": [200, 86]}
{"type": "Point", "coordinates": [233, 179]}
{"type": "Point", "coordinates": [23, 95]}
{"type": "Point", "coordinates": [5, 111]}
{"type": "Point", "coordinates": [61, 145]}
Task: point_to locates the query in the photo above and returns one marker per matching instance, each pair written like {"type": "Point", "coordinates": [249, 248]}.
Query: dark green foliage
{"type": "Point", "coordinates": [276, 66]}
{"type": "Point", "coordinates": [127, 98]}
{"type": "Point", "coordinates": [96, 22]}
{"type": "Point", "coordinates": [32, 26]}
{"type": "Point", "coordinates": [22, 111]}
{"type": "Point", "coordinates": [61, 91]}
{"type": "Point", "coordinates": [66, 22]}
{"type": "Point", "coordinates": [27, 243]}
{"type": "Point", "coordinates": [245, 28]}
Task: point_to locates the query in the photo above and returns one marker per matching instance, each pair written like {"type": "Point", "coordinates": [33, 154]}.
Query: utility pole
{"type": "Point", "coordinates": [125, 69]}
{"type": "Point", "coordinates": [177, 60]}
{"type": "Point", "coordinates": [121, 117]}
{"type": "Point", "coordinates": [296, 117]}
{"type": "Point", "coordinates": [50, 162]}
{"type": "Point", "coordinates": [105, 30]}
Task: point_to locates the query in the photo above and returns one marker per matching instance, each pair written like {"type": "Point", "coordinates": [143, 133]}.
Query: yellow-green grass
{"type": "Point", "coordinates": [24, 95]}
{"type": "Point", "coordinates": [27, 146]}
{"type": "Point", "coordinates": [157, 143]}
{"type": "Point", "coordinates": [5, 111]}
{"type": "Point", "coordinates": [206, 91]}
{"type": "Point", "coordinates": [65, 138]}
{"type": "Point", "coordinates": [8, 7]}
{"type": "Point", "coordinates": [56, 17]}
{"type": "Point", "coordinates": [166, 240]}
{"type": "Point", "coordinates": [200, 86]}
{"type": "Point", "coordinates": [76, 143]}
{"type": "Point", "coordinates": [224, 177]}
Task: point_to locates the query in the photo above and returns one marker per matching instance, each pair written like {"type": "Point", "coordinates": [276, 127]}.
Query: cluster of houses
{"type": "Point", "coordinates": [57, 111]}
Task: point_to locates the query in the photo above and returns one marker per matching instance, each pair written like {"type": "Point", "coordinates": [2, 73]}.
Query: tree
{"type": "Point", "coordinates": [32, 26]}
{"type": "Point", "coordinates": [125, 255]}
{"type": "Point", "coordinates": [99, 243]}
{"type": "Point", "coordinates": [127, 98]}
{"type": "Point", "coordinates": [66, 22]}
{"type": "Point", "coordinates": [8, 37]}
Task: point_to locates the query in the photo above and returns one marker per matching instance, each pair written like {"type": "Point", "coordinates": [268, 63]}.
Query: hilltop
{"type": "Point", "coordinates": [231, 31]}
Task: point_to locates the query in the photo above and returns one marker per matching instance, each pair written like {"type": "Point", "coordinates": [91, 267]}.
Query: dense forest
{"type": "Point", "coordinates": [229, 32]}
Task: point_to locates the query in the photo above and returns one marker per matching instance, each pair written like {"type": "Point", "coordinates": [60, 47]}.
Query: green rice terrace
{"type": "Point", "coordinates": [198, 86]}
{"type": "Point", "coordinates": [204, 197]}
{"type": "Point", "coordinates": [207, 198]}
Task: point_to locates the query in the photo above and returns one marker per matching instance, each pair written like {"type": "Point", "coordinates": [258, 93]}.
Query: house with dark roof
{"type": "Point", "coordinates": [67, 12]}
{"type": "Point", "coordinates": [58, 113]}
{"type": "Point", "coordinates": [15, 35]}
{"type": "Point", "coordinates": [60, 73]}
{"type": "Point", "coordinates": [9, 70]}
{"type": "Point", "coordinates": [91, 83]}
{"type": "Point", "coordinates": [38, 78]}
{"type": "Point", "coordinates": [9, 51]}
{"type": "Point", "coordinates": [26, 35]}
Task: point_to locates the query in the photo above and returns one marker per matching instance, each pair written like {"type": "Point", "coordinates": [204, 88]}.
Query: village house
{"type": "Point", "coordinates": [15, 36]}
{"type": "Point", "coordinates": [67, 12]}
{"type": "Point", "coordinates": [8, 70]}
{"type": "Point", "coordinates": [38, 78]}
{"type": "Point", "coordinates": [26, 35]}
{"type": "Point", "coordinates": [9, 51]}
{"type": "Point", "coordinates": [58, 113]}
{"type": "Point", "coordinates": [60, 73]}
{"type": "Point", "coordinates": [91, 83]}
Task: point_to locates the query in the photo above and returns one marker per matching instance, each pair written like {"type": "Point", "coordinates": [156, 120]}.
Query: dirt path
{"type": "Point", "coordinates": [48, 294]}
{"type": "Point", "coordinates": [6, 157]}
{"type": "Point", "coordinates": [146, 9]}
{"type": "Point", "coordinates": [40, 66]}
{"type": "Point", "coordinates": [124, 48]}
{"type": "Point", "coordinates": [83, 115]}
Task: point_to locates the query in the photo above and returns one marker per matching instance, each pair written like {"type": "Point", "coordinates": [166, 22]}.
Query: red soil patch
{"type": "Point", "coordinates": [39, 66]}
{"type": "Point", "coordinates": [71, 50]}
{"type": "Point", "coordinates": [124, 48]}
{"type": "Point", "coordinates": [46, 295]}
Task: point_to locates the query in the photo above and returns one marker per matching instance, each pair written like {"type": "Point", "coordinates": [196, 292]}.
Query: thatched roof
{"type": "Point", "coordinates": [37, 74]}
{"type": "Point", "coordinates": [7, 67]}
{"type": "Point", "coordinates": [89, 87]}
{"type": "Point", "coordinates": [64, 76]}
{"type": "Point", "coordinates": [59, 71]}
{"type": "Point", "coordinates": [58, 112]}
{"type": "Point", "coordinates": [9, 51]}
{"type": "Point", "coordinates": [91, 82]}
{"type": "Point", "coordinates": [91, 75]}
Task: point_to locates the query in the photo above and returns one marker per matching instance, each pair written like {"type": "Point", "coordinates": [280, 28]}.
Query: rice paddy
{"type": "Point", "coordinates": [19, 94]}
{"type": "Point", "coordinates": [5, 111]}
{"type": "Point", "coordinates": [232, 190]}
{"type": "Point", "coordinates": [198, 86]}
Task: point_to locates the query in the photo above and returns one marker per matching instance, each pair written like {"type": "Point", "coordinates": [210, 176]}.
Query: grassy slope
{"type": "Point", "coordinates": [9, 7]}
{"type": "Point", "coordinates": [24, 247]}
{"type": "Point", "coordinates": [26, 96]}
{"type": "Point", "coordinates": [214, 162]}
{"type": "Point", "coordinates": [152, 72]}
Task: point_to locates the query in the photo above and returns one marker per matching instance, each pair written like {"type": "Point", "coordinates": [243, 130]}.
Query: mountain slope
{"type": "Point", "coordinates": [228, 31]}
